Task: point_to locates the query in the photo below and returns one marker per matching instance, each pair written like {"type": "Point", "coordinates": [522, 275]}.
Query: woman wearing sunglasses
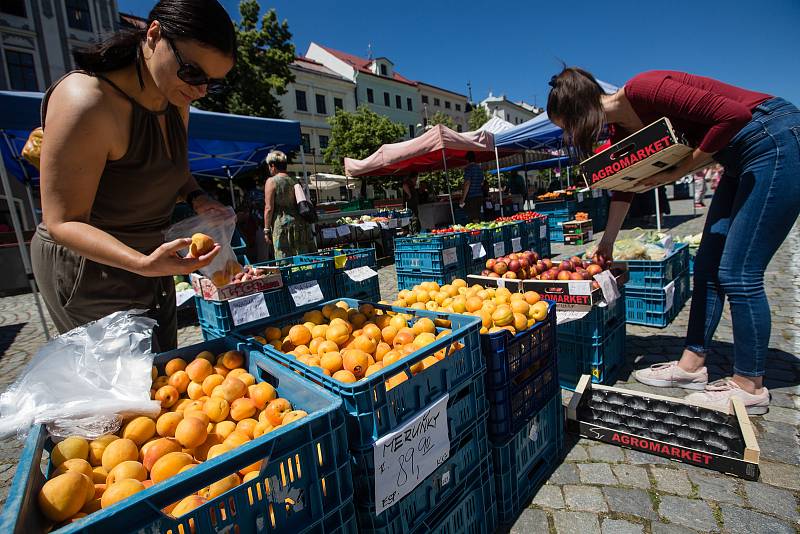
{"type": "Point", "coordinates": [115, 161]}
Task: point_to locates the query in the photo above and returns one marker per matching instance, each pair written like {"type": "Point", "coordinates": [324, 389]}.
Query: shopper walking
{"type": "Point", "coordinates": [757, 138]}
{"type": "Point", "coordinates": [699, 178]}
{"type": "Point", "coordinates": [472, 192]}
{"type": "Point", "coordinates": [284, 228]}
{"type": "Point", "coordinates": [114, 161]}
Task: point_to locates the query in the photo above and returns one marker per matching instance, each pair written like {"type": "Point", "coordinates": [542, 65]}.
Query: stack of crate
{"type": "Point", "coordinates": [658, 289]}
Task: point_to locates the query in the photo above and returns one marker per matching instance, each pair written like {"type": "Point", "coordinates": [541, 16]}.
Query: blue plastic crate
{"type": "Point", "coordinates": [566, 207]}
{"type": "Point", "coordinates": [646, 274]}
{"type": "Point", "coordinates": [368, 289]}
{"type": "Point", "coordinates": [299, 269]}
{"type": "Point", "coordinates": [599, 321]}
{"type": "Point", "coordinates": [347, 258]}
{"type": "Point", "coordinates": [649, 306]}
{"type": "Point", "coordinates": [511, 230]}
{"type": "Point", "coordinates": [372, 410]}
{"type": "Point", "coordinates": [217, 314]}
{"type": "Point", "coordinates": [601, 357]}
{"type": "Point", "coordinates": [312, 449]}
{"type": "Point", "coordinates": [468, 446]}
{"type": "Point", "coordinates": [210, 332]}
{"type": "Point", "coordinates": [490, 236]}
{"type": "Point", "coordinates": [239, 246]}
{"type": "Point", "coordinates": [555, 231]}
{"type": "Point", "coordinates": [407, 280]}
{"type": "Point", "coordinates": [517, 381]}
{"type": "Point", "coordinates": [429, 252]}
{"type": "Point", "coordinates": [525, 461]}
{"type": "Point", "coordinates": [544, 247]}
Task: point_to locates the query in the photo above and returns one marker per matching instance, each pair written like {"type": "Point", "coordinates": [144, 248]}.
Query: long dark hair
{"type": "Point", "coordinates": [205, 21]}
{"type": "Point", "coordinates": [575, 101]}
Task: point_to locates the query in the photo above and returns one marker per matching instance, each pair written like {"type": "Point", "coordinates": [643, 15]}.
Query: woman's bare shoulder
{"type": "Point", "coordinates": [82, 96]}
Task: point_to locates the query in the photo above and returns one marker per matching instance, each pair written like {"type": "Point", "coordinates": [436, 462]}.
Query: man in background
{"type": "Point", "coordinates": [472, 192]}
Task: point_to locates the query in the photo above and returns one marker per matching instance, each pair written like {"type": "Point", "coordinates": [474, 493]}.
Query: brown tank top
{"type": "Point", "coordinates": [136, 194]}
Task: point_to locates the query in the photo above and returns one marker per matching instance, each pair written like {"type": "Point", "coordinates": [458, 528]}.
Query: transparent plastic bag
{"type": "Point", "coordinates": [219, 225]}
{"type": "Point", "coordinates": [84, 381]}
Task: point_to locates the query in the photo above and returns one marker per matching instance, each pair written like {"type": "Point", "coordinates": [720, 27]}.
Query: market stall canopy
{"type": "Point", "coordinates": [218, 142]}
{"type": "Point", "coordinates": [495, 125]}
{"type": "Point", "coordinates": [424, 153]}
{"type": "Point", "coordinates": [534, 165]}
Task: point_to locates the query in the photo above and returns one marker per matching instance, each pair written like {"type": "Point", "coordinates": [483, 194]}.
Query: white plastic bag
{"type": "Point", "coordinates": [218, 224]}
{"type": "Point", "coordinates": [84, 381]}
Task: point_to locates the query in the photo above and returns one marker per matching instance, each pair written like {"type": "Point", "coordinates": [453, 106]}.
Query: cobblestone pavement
{"type": "Point", "coordinates": [602, 488]}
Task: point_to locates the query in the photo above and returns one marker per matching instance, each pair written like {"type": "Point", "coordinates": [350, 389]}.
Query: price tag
{"type": "Point", "coordinates": [499, 249]}
{"type": "Point", "coordinates": [445, 478]}
{"type": "Point", "coordinates": [579, 287]}
{"type": "Point", "coordinates": [533, 433]}
{"type": "Point", "coordinates": [405, 221]}
{"type": "Point", "coordinates": [516, 244]}
{"type": "Point", "coordinates": [360, 273]}
{"type": "Point", "coordinates": [497, 207]}
{"type": "Point", "coordinates": [489, 204]}
{"type": "Point", "coordinates": [542, 231]}
{"type": "Point", "coordinates": [248, 309]}
{"type": "Point", "coordinates": [580, 197]}
{"type": "Point", "coordinates": [306, 293]}
{"type": "Point", "coordinates": [450, 256]}
{"type": "Point", "coordinates": [669, 292]}
{"type": "Point", "coordinates": [329, 233]}
{"type": "Point", "coordinates": [183, 296]}
{"type": "Point", "coordinates": [501, 282]}
{"type": "Point", "coordinates": [567, 315]}
{"type": "Point", "coordinates": [608, 285]}
{"type": "Point", "coordinates": [343, 230]}
{"type": "Point", "coordinates": [407, 456]}
{"type": "Point", "coordinates": [477, 250]}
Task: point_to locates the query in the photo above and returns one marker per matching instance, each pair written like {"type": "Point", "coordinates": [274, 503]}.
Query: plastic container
{"type": "Point", "coordinates": [306, 462]}
{"type": "Point", "coordinates": [651, 307]}
{"type": "Point", "coordinates": [347, 258]}
{"type": "Point", "coordinates": [646, 274]}
{"type": "Point", "coordinates": [216, 315]}
{"type": "Point", "coordinates": [524, 462]}
{"type": "Point", "coordinates": [372, 411]}
{"type": "Point", "coordinates": [520, 374]}
{"type": "Point", "coordinates": [491, 236]}
{"type": "Point", "coordinates": [407, 280]}
{"type": "Point", "coordinates": [602, 357]}
{"type": "Point", "coordinates": [429, 252]}
{"type": "Point", "coordinates": [599, 321]}
{"type": "Point", "coordinates": [300, 269]}
{"type": "Point", "coordinates": [346, 287]}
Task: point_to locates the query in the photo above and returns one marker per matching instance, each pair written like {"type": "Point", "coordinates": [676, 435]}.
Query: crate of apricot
{"type": "Point", "coordinates": [386, 363]}
{"type": "Point", "coordinates": [226, 453]}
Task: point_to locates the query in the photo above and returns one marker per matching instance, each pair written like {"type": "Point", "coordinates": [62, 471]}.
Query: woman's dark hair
{"type": "Point", "coordinates": [575, 101]}
{"type": "Point", "coordinates": [204, 21]}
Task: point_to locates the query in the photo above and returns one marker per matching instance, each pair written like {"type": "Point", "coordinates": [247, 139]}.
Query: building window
{"type": "Point", "coordinates": [323, 142]}
{"type": "Point", "coordinates": [436, 102]}
{"type": "Point", "coordinates": [14, 7]}
{"type": "Point", "coordinates": [78, 15]}
{"type": "Point", "coordinates": [300, 100]}
{"type": "Point", "coordinates": [411, 131]}
{"type": "Point", "coordinates": [447, 104]}
{"type": "Point", "coordinates": [458, 107]}
{"type": "Point", "coordinates": [386, 101]}
{"type": "Point", "coordinates": [21, 71]}
{"type": "Point", "coordinates": [370, 96]}
{"type": "Point", "coordinates": [338, 104]}
{"type": "Point", "coordinates": [321, 109]}
{"type": "Point", "coordinates": [424, 99]}
{"type": "Point", "coordinates": [306, 139]}
{"type": "Point", "coordinates": [383, 70]}
{"type": "Point", "coordinates": [398, 101]}
{"type": "Point", "coordinates": [409, 104]}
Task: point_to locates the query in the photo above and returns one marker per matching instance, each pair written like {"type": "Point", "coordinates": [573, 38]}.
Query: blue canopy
{"type": "Point", "coordinates": [536, 133]}
{"type": "Point", "coordinates": [217, 141]}
{"type": "Point", "coordinates": [534, 165]}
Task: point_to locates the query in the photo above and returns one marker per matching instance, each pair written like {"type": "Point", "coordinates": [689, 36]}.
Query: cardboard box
{"type": "Point", "coordinates": [623, 165]}
{"type": "Point", "coordinates": [205, 288]}
{"type": "Point", "coordinates": [576, 227]}
{"type": "Point", "coordinates": [575, 295]}
{"type": "Point", "coordinates": [578, 239]}
{"type": "Point", "coordinates": [513, 285]}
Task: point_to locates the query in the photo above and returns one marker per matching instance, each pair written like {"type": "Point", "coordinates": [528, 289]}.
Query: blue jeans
{"type": "Point", "coordinates": [753, 210]}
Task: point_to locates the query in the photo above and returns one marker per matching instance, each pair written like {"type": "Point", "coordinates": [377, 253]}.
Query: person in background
{"type": "Point", "coordinates": [487, 209]}
{"type": "Point", "coordinates": [472, 192]}
{"type": "Point", "coordinates": [517, 186]}
{"type": "Point", "coordinates": [284, 229]}
{"type": "Point", "coordinates": [755, 136]}
{"type": "Point", "coordinates": [716, 174]}
{"type": "Point", "coordinates": [699, 178]}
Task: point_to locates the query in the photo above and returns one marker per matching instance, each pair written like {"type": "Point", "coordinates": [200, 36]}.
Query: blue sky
{"type": "Point", "coordinates": [513, 47]}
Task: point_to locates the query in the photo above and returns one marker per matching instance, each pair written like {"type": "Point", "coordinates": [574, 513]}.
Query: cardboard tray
{"type": "Point", "coordinates": [578, 239]}
{"type": "Point", "coordinates": [205, 288]}
{"type": "Point", "coordinates": [574, 294]}
{"type": "Point", "coordinates": [622, 166]}
{"type": "Point", "coordinates": [513, 285]}
{"type": "Point", "coordinates": [736, 453]}
{"type": "Point", "coordinates": [576, 227]}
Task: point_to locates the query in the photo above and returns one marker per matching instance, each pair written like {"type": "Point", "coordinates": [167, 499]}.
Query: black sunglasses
{"type": "Point", "coordinates": [195, 75]}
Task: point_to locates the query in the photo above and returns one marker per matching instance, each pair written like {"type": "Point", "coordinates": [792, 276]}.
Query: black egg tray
{"type": "Point", "coordinates": [667, 427]}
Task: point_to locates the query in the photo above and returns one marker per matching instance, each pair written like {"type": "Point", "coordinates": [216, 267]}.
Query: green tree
{"type": "Point", "coordinates": [477, 117]}
{"type": "Point", "coordinates": [443, 119]}
{"type": "Point", "coordinates": [357, 135]}
{"type": "Point", "coordinates": [262, 71]}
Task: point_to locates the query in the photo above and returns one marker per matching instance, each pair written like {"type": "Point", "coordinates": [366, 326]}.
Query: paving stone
{"type": "Point", "coordinates": [577, 454]}
{"type": "Point", "coordinates": [630, 501]}
{"type": "Point", "coordinates": [631, 475]}
{"type": "Point", "coordinates": [716, 487]}
{"type": "Point", "coordinates": [618, 526]}
{"type": "Point", "coordinates": [669, 528]}
{"type": "Point", "coordinates": [783, 415]}
{"type": "Point", "coordinates": [774, 501]}
{"type": "Point", "coordinates": [740, 521]}
{"type": "Point", "coordinates": [690, 513]}
{"type": "Point", "coordinates": [780, 475]}
{"type": "Point", "coordinates": [637, 457]}
{"type": "Point", "coordinates": [565, 474]}
{"type": "Point", "coordinates": [604, 452]}
{"type": "Point", "coordinates": [780, 447]}
{"type": "Point", "coordinates": [672, 481]}
{"type": "Point", "coordinates": [596, 474]}
{"type": "Point", "coordinates": [785, 401]}
{"type": "Point", "coordinates": [529, 521]}
{"type": "Point", "coordinates": [572, 522]}
{"type": "Point", "coordinates": [584, 498]}
{"type": "Point", "coordinates": [549, 497]}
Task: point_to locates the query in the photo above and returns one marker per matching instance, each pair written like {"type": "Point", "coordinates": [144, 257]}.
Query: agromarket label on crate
{"type": "Point", "coordinates": [407, 456]}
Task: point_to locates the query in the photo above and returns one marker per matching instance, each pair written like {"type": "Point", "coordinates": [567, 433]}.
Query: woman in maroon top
{"type": "Point", "coordinates": [757, 139]}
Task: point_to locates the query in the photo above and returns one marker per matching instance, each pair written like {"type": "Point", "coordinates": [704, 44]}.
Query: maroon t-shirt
{"type": "Point", "coordinates": [706, 111]}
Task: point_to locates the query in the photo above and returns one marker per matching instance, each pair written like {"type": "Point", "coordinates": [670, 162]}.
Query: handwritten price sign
{"type": "Point", "coordinates": [407, 456]}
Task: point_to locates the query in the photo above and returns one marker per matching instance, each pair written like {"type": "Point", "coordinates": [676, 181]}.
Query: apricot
{"type": "Point", "coordinates": [247, 426]}
{"type": "Point", "coordinates": [63, 496]}
{"type": "Point", "coordinates": [75, 464]}
{"type": "Point", "coordinates": [236, 439]}
{"type": "Point", "coordinates": [221, 486]}
{"type": "Point", "coordinates": [261, 394]}
{"type": "Point", "coordinates": [318, 331]}
{"type": "Point", "coordinates": [160, 382]}
{"type": "Point", "coordinates": [182, 404]}
{"type": "Point", "coordinates": [139, 430]}
{"type": "Point", "coordinates": [355, 361]}
{"type": "Point", "coordinates": [167, 396]}
{"type": "Point", "coordinates": [194, 390]}
{"type": "Point", "coordinates": [168, 422]}
{"type": "Point", "coordinates": [365, 343]}
{"type": "Point", "coordinates": [276, 409]}
{"type": "Point", "coordinates": [187, 504]}
{"type": "Point", "coordinates": [191, 432]}
{"type": "Point", "coordinates": [127, 469]}
{"type": "Point", "coordinates": [261, 428]}
{"type": "Point", "coordinates": [332, 361]}
{"type": "Point", "coordinates": [294, 415]}
{"type": "Point", "coordinates": [403, 337]}
{"type": "Point", "coordinates": [179, 380]}
{"type": "Point", "coordinates": [92, 506]}
{"type": "Point", "coordinates": [374, 368]}
{"type": "Point", "coordinates": [174, 365]}
{"type": "Point", "coordinates": [396, 380]}
{"type": "Point", "coordinates": [99, 475]}
{"type": "Point", "coordinates": [423, 340]}
{"type": "Point", "coordinates": [249, 476]}
{"type": "Point", "coordinates": [231, 389]}
{"type": "Point", "coordinates": [169, 465]}
{"type": "Point", "coordinates": [158, 448]}
{"type": "Point", "coordinates": [243, 408]}
{"type": "Point", "coordinates": [216, 450]}
{"type": "Point", "coordinates": [71, 447]}
{"type": "Point", "coordinates": [201, 451]}
{"type": "Point", "coordinates": [233, 359]}
{"type": "Point", "coordinates": [337, 333]}
{"type": "Point", "coordinates": [299, 335]}
{"type": "Point", "coordinates": [224, 428]}
{"type": "Point", "coordinates": [120, 490]}
{"type": "Point", "coordinates": [119, 451]}
{"type": "Point", "coordinates": [199, 369]}
{"type": "Point", "coordinates": [96, 448]}
{"type": "Point", "coordinates": [217, 409]}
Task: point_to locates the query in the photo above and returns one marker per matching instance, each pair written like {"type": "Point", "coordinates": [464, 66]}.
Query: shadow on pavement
{"type": "Point", "coordinates": [8, 333]}
{"type": "Point", "coordinates": [668, 221]}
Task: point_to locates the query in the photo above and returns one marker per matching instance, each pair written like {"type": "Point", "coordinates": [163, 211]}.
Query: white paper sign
{"type": "Point", "coordinates": [580, 197]}
{"type": "Point", "coordinates": [489, 204]}
{"type": "Point", "coordinates": [497, 207]}
{"type": "Point", "coordinates": [329, 233]}
{"type": "Point", "coordinates": [608, 285]}
{"type": "Point", "coordinates": [183, 296]}
{"type": "Point", "coordinates": [567, 315]}
{"type": "Point", "coordinates": [542, 231]}
{"type": "Point", "coordinates": [407, 456]}
{"type": "Point", "coordinates": [499, 249]}
{"type": "Point", "coordinates": [405, 221]}
{"type": "Point", "coordinates": [306, 293]}
{"type": "Point", "coordinates": [516, 244]}
{"type": "Point", "coordinates": [501, 282]}
{"type": "Point", "coordinates": [248, 308]}
{"type": "Point", "coordinates": [450, 256]}
{"type": "Point", "coordinates": [669, 292]}
{"type": "Point", "coordinates": [667, 243]}
{"type": "Point", "coordinates": [579, 287]}
{"type": "Point", "coordinates": [343, 230]}
{"type": "Point", "coordinates": [360, 273]}
{"type": "Point", "coordinates": [477, 250]}
{"type": "Point", "coordinates": [533, 432]}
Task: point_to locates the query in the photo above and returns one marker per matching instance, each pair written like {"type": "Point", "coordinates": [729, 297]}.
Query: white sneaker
{"type": "Point", "coordinates": [669, 375]}
{"type": "Point", "coordinates": [718, 394]}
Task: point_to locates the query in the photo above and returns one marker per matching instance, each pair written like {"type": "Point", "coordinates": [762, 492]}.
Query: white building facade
{"type": "Point", "coordinates": [437, 100]}
{"type": "Point", "coordinates": [513, 112]}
